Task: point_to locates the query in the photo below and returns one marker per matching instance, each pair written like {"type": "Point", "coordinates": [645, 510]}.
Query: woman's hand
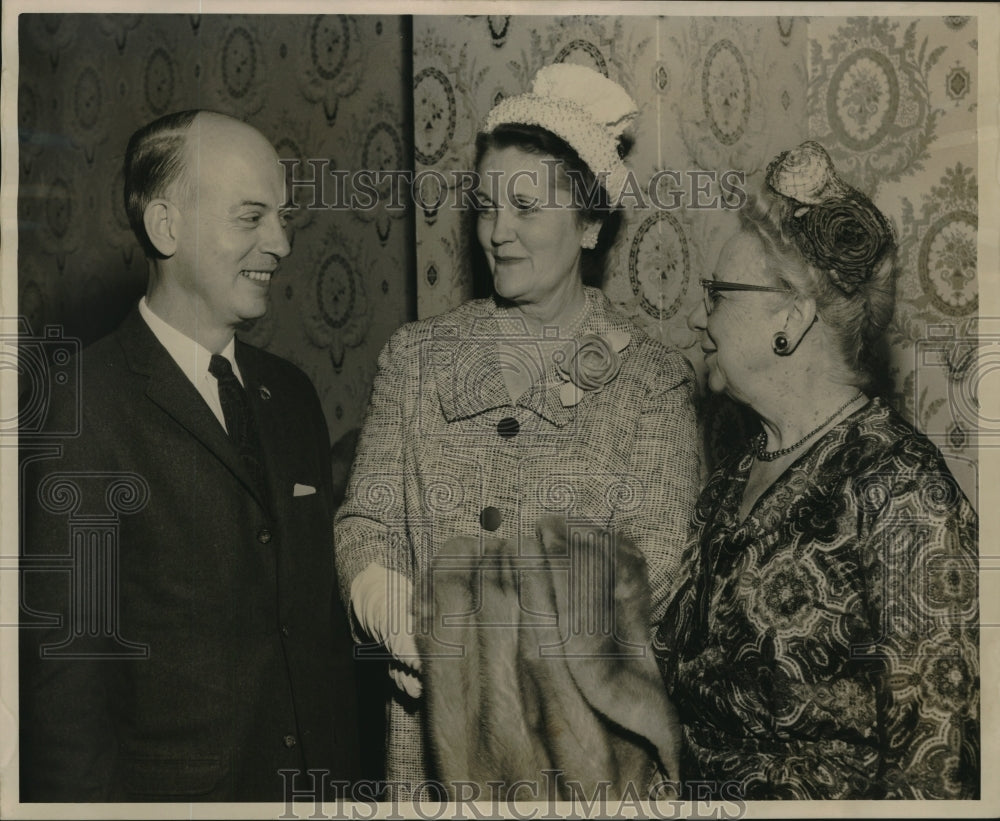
{"type": "Point", "coordinates": [406, 681]}
{"type": "Point", "coordinates": [383, 604]}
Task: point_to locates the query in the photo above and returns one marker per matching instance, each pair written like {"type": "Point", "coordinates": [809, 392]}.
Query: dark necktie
{"type": "Point", "coordinates": [239, 420]}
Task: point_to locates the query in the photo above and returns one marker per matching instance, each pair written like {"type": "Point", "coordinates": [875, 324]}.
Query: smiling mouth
{"type": "Point", "coordinates": [257, 276]}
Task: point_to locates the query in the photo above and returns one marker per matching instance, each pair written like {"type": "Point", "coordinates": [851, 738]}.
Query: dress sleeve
{"type": "Point", "coordinates": [666, 465]}
{"type": "Point", "coordinates": [370, 525]}
{"type": "Point", "coordinates": [921, 538]}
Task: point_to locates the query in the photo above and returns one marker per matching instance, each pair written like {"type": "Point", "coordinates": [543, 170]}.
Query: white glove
{"type": "Point", "coordinates": [383, 605]}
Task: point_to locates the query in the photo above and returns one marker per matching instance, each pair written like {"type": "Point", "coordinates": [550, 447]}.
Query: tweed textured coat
{"type": "Point", "coordinates": [247, 667]}
{"type": "Point", "coordinates": [445, 452]}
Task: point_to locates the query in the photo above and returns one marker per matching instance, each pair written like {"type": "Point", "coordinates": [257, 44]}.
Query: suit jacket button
{"type": "Point", "coordinates": [508, 427]}
{"type": "Point", "coordinates": [285, 631]}
{"type": "Point", "coordinates": [263, 535]}
{"type": "Point", "coordinates": [289, 741]}
{"type": "Point", "coordinates": [490, 518]}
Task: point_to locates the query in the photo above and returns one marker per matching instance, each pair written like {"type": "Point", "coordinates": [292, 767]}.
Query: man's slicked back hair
{"type": "Point", "coordinates": [154, 160]}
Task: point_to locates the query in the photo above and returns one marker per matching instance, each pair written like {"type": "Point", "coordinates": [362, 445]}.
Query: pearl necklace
{"type": "Point", "coordinates": [770, 455]}
{"type": "Point", "coordinates": [569, 330]}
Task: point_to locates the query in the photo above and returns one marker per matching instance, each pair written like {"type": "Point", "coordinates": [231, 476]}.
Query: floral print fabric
{"type": "Point", "coordinates": [827, 646]}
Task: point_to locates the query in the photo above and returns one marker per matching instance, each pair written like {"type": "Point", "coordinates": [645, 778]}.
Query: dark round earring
{"type": "Point", "coordinates": [780, 343]}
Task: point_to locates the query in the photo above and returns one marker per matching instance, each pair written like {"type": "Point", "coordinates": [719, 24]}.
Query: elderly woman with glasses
{"type": "Point", "coordinates": [823, 638]}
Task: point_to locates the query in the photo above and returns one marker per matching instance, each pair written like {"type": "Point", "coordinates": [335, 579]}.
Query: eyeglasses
{"type": "Point", "coordinates": [714, 286]}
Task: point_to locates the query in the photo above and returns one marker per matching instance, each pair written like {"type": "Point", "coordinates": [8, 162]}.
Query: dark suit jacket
{"type": "Point", "coordinates": [200, 646]}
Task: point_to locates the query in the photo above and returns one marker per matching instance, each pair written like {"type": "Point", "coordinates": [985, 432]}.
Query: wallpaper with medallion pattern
{"type": "Point", "coordinates": [333, 89]}
{"type": "Point", "coordinates": [892, 99]}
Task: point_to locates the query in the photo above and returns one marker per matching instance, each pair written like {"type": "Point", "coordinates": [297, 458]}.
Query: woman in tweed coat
{"type": "Point", "coordinates": [538, 401]}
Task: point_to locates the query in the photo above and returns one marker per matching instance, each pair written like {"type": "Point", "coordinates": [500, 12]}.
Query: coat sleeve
{"type": "Point", "coordinates": [370, 525]}
{"type": "Point", "coordinates": [665, 471]}
{"type": "Point", "coordinates": [922, 599]}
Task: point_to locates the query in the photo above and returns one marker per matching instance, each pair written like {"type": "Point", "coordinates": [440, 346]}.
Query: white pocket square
{"type": "Point", "coordinates": [303, 490]}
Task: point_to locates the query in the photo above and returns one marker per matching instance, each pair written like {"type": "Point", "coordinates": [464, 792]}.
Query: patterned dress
{"type": "Point", "coordinates": [444, 453]}
{"type": "Point", "coordinates": [827, 646]}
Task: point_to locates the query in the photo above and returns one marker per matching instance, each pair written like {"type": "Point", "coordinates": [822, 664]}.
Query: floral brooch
{"type": "Point", "coordinates": [592, 365]}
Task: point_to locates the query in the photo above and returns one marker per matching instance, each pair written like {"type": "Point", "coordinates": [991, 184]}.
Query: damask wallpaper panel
{"type": "Point", "coordinates": [724, 117]}
{"type": "Point", "coordinates": [893, 99]}
{"type": "Point", "coordinates": [328, 87]}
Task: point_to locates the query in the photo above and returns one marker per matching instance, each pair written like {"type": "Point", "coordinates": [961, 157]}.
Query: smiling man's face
{"type": "Point", "coordinates": [232, 233]}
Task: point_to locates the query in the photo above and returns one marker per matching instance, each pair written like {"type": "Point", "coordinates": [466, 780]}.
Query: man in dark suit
{"type": "Point", "coordinates": [192, 647]}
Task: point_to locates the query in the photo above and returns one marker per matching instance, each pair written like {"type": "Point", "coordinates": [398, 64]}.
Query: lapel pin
{"type": "Point", "coordinates": [263, 392]}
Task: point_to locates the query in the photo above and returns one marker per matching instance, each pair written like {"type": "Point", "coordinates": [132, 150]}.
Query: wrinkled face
{"type": "Point", "coordinates": [736, 336]}
{"type": "Point", "coordinates": [529, 230]}
{"type": "Point", "coordinates": [232, 231]}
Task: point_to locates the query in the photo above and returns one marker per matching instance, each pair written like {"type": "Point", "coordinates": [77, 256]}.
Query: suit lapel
{"type": "Point", "coordinates": [173, 392]}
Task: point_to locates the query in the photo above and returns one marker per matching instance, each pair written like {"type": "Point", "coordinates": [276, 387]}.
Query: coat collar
{"type": "Point", "coordinates": [172, 391]}
{"type": "Point", "coordinates": [466, 361]}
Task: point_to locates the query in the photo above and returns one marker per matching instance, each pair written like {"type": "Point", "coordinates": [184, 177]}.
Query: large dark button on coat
{"type": "Point", "coordinates": [508, 427]}
{"type": "Point", "coordinates": [490, 518]}
{"type": "Point", "coordinates": [289, 741]}
{"type": "Point", "coordinates": [263, 535]}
